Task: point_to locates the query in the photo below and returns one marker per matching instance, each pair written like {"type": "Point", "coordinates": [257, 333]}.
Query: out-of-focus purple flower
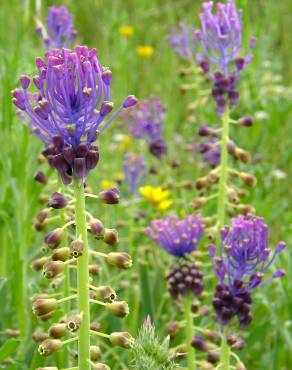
{"type": "Point", "coordinates": [60, 31]}
{"type": "Point", "coordinates": [134, 171]}
{"type": "Point", "coordinates": [221, 38]}
{"type": "Point", "coordinates": [184, 40]}
{"type": "Point", "coordinates": [209, 147]}
{"type": "Point", "coordinates": [244, 257]}
{"type": "Point", "coordinates": [68, 111]}
{"type": "Point", "coordinates": [178, 237]}
{"type": "Point", "coordinates": [145, 122]}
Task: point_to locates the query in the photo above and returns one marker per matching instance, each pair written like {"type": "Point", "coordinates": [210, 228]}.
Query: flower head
{"type": "Point", "coordinates": [145, 51]}
{"type": "Point", "coordinates": [134, 171]}
{"type": "Point", "coordinates": [177, 236]}
{"type": "Point", "coordinates": [145, 122]}
{"type": "Point", "coordinates": [157, 196]}
{"type": "Point", "coordinates": [126, 31]}
{"type": "Point", "coordinates": [72, 102]}
{"type": "Point", "coordinates": [60, 31]}
{"type": "Point", "coordinates": [184, 40]}
{"type": "Point", "coordinates": [247, 257]}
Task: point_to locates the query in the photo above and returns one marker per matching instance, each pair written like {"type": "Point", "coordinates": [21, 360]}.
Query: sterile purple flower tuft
{"type": "Point", "coordinates": [134, 171]}
{"type": "Point", "coordinates": [184, 40]}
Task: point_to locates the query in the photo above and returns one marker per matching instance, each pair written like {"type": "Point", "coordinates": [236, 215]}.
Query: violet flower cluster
{"type": "Point", "coordinates": [244, 257]}
{"type": "Point", "coordinates": [184, 40]}
{"type": "Point", "coordinates": [59, 32]}
{"type": "Point", "coordinates": [209, 147]}
{"type": "Point", "coordinates": [134, 171]}
{"type": "Point", "coordinates": [178, 237]}
{"type": "Point", "coordinates": [69, 108]}
{"type": "Point", "coordinates": [145, 122]}
{"type": "Point", "coordinates": [221, 38]}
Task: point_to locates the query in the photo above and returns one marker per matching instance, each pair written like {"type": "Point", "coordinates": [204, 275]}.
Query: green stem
{"type": "Point", "coordinates": [225, 352]}
{"type": "Point", "coordinates": [223, 171]}
{"type": "Point", "coordinates": [82, 278]}
{"type": "Point", "coordinates": [191, 355]}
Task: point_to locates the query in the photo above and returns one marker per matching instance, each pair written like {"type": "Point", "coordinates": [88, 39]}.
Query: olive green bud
{"type": "Point", "coordinates": [100, 366]}
{"type": "Point", "coordinates": [94, 270]}
{"type": "Point", "coordinates": [213, 176]}
{"type": "Point", "coordinates": [40, 336]}
{"type": "Point", "coordinates": [74, 322]}
{"type": "Point", "coordinates": [211, 233]}
{"type": "Point", "coordinates": [54, 238]}
{"type": "Point", "coordinates": [12, 333]}
{"type": "Point", "coordinates": [232, 195]}
{"type": "Point", "coordinates": [57, 282]}
{"type": "Point", "coordinates": [111, 237]}
{"type": "Point", "coordinates": [39, 263]}
{"type": "Point", "coordinates": [248, 179]}
{"type": "Point", "coordinates": [201, 183]}
{"type": "Point", "coordinates": [61, 254]}
{"type": "Point", "coordinates": [49, 346]}
{"type": "Point", "coordinates": [97, 228]}
{"type": "Point", "coordinates": [118, 308]}
{"type": "Point", "coordinates": [122, 339]}
{"type": "Point", "coordinates": [242, 155]}
{"type": "Point", "coordinates": [95, 326]}
{"type": "Point", "coordinates": [57, 331]}
{"type": "Point", "coordinates": [43, 199]}
{"type": "Point", "coordinates": [121, 260]}
{"type": "Point", "coordinates": [41, 159]}
{"type": "Point", "coordinates": [105, 293]}
{"type": "Point", "coordinates": [95, 353]}
{"type": "Point", "coordinates": [76, 248]}
{"type": "Point", "coordinates": [43, 306]}
{"type": "Point", "coordinates": [52, 269]}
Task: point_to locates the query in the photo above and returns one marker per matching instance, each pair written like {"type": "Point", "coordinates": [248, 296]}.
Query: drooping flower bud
{"type": "Point", "coordinates": [121, 339]}
{"type": "Point", "coordinates": [49, 346]}
{"type": "Point", "coordinates": [76, 248]}
{"type": "Point", "coordinates": [53, 268]}
{"type": "Point", "coordinates": [40, 336]}
{"type": "Point", "coordinates": [43, 306]}
{"type": "Point", "coordinates": [118, 308]}
{"type": "Point", "coordinates": [121, 260]}
{"type": "Point", "coordinates": [61, 254]}
{"type": "Point", "coordinates": [74, 322]}
{"type": "Point", "coordinates": [110, 196]}
{"type": "Point", "coordinates": [39, 263]}
{"type": "Point", "coordinates": [94, 270]}
{"type": "Point", "coordinates": [41, 178]}
{"type": "Point", "coordinates": [14, 333]}
{"type": "Point", "coordinates": [57, 331]}
{"type": "Point", "coordinates": [97, 228]}
{"type": "Point", "coordinates": [57, 201]}
{"type": "Point", "coordinates": [95, 353]}
{"type": "Point", "coordinates": [54, 238]}
{"type": "Point", "coordinates": [105, 293]}
{"type": "Point", "coordinates": [111, 237]}
{"type": "Point", "coordinates": [172, 328]}
{"type": "Point", "coordinates": [199, 343]}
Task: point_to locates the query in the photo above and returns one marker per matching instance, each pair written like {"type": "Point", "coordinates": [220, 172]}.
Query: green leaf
{"type": "Point", "coordinates": [8, 348]}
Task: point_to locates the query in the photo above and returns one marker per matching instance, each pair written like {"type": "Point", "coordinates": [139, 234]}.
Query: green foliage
{"type": "Point", "coordinates": [149, 352]}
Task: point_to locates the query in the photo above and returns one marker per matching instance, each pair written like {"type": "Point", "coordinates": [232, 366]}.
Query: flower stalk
{"type": "Point", "coordinates": [225, 351]}
{"type": "Point", "coordinates": [191, 355]}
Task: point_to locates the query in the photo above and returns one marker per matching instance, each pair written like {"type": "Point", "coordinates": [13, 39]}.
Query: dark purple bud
{"type": "Point", "coordinates": [68, 154]}
{"type": "Point", "coordinates": [25, 81]}
{"type": "Point", "coordinates": [41, 177]}
{"type": "Point", "coordinates": [58, 141]}
{"type": "Point", "coordinates": [92, 159]}
{"type": "Point", "coordinates": [204, 130]}
{"type": "Point", "coordinates": [245, 121]}
{"type": "Point", "coordinates": [158, 148]}
{"type": "Point", "coordinates": [106, 108]}
{"type": "Point", "coordinates": [79, 167]}
{"type": "Point", "coordinates": [110, 196]}
{"type": "Point", "coordinates": [82, 150]}
{"type": "Point", "coordinates": [280, 247]}
{"type": "Point", "coordinates": [58, 162]}
{"type": "Point", "coordinates": [239, 62]}
{"type": "Point", "coordinates": [67, 179]}
{"type": "Point", "coordinates": [205, 66]}
{"type": "Point", "coordinates": [97, 228]}
{"type": "Point", "coordinates": [199, 343]}
{"type": "Point", "coordinates": [53, 238]}
{"type": "Point", "coordinates": [58, 201]}
{"type": "Point", "coordinates": [279, 273]}
{"type": "Point", "coordinates": [233, 96]}
{"type": "Point", "coordinates": [130, 101]}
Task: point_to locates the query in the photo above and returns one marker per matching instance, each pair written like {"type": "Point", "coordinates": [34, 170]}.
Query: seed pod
{"type": "Point", "coordinates": [12, 333]}
{"type": "Point", "coordinates": [52, 269]}
{"type": "Point", "coordinates": [119, 308]}
{"type": "Point", "coordinates": [49, 346]}
{"type": "Point", "coordinates": [40, 336]}
{"type": "Point", "coordinates": [111, 237]}
{"type": "Point", "coordinates": [57, 201]}
{"type": "Point", "coordinates": [121, 339]}
{"type": "Point", "coordinates": [97, 228]}
{"type": "Point", "coordinates": [54, 238]}
{"type": "Point", "coordinates": [110, 196]}
{"type": "Point", "coordinates": [57, 331]}
{"type": "Point", "coordinates": [121, 260]}
{"type": "Point", "coordinates": [74, 322]}
{"type": "Point", "coordinates": [106, 294]}
{"type": "Point", "coordinates": [76, 248]}
{"type": "Point", "coordinates": [39, 263]}
{"type": "Point", "coordinates": [41, 178]}
{"type": "Point", "coordinates": [61, 254]}
{"type": "Point", "coordinates": [43, 306]}
{"type": "Point", "coordinates": [95, 353]}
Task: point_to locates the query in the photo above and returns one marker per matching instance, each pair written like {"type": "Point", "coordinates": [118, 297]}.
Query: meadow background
{"type": "Point", "coordinates": [265, 94]}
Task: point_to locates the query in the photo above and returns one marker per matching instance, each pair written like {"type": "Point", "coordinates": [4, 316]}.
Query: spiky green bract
{"type": "Point", "coordinates": [149, 352]}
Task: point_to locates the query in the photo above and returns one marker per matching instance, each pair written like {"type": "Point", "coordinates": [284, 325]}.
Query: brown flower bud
{"type": "Point", "coordinates": [248, 179]}
{"type": "Point", "coordinates": [57, 331]}
{"type": "Point", "coordinates": [40, 336]}
{"type": "Point", "coordinates": [41, 178]}
{"type": "Point", "coordinates": [12, 333]}
{"type": "Point", "coordinates": [7, 361]}
{"type": "Point", "coordinates": [204, 311]}
{"type": "Point", "coordinates": [77, 248]}
{"type": "Point", "coordinates": [43, 199]}
{"type": "Point", "coordinates": [242, 155]}
{"type": "Point", "coordinates": [232, 195]}
{"type": "Point", "coordinates": [211, 233]}
{"type": "Point", "coordinates": [121, 260]}
{"type": "Point", "coordinates": [172, 328]}
{"type": "Point", "coordinates": [52, 269]}
{"type": "Point", "coordinates": [95, 326]}
{"type": "Point", "coordinates": [201, 183]}
{"type": "Point", "coordinates": [43, 214]}
{"type": "Point", "coordinates": [97, 228]}
{"type": "Point", "coordinates": [213, 176]}
{"type": "Point", "coordinates": [39, 296]}
{"type": "Point", "coordinates": [39, 263]}
{"type": "Point", "coordinates": [245, 209]}
{"type": "Point", "coordinates": [121, 339]}
{"type": "Point", "coordinates": [39, 226]}
{"type": "Point", "coordinates": [213, 357]}
{"type": "Point", "coordinates": [94, 270]}
{"type": "Point", "coordinates": [61, 254]}
{"type": "Point", "coordinates": [95, 353]}
{"type": "Point", "coordinates": [105, 293]}
{"type": "Point", "coordinates": [49, 346]}
{"type": "Point", "coordinates": [111, 237]}
{"type": "Point", "coordinates": [53, 238]}
{"type": "Point", "coordinates": [246, 121]}
{"type": "Point", "coordinates": [46, 317]}
{"type": "Point", "coordinates": [74, 322]}
{"type": "Point", "coordinates": [43, 306]}
{"type": "Point", "coordinates": [199, 202]}
{"type": "Point", "coordinates": [110, 196]}
{"type": "Point", "coordinates": [58, 201]}
{"type": "Point", "coordinates": [118, 308]}
{"type": "Point", "coordinates": [199, 343]}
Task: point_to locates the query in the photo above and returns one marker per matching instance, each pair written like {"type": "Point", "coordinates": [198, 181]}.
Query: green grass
{"type": "Point", "coordinates": [269, 337]}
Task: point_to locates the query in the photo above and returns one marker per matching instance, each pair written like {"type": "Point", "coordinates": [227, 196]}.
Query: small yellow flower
{"type": "Point", "coordinates": [106, 184]}
{"type": "Point", "coordinates": [126, 31]}
{"type": "Point", "coordinates": [157, 196]}
{"type": "Point", "coordinates": [119, 177]}
{"type": "Point", "coordinates": [124, 142]}
{"type": "Point", "coordinates": [145, 51]}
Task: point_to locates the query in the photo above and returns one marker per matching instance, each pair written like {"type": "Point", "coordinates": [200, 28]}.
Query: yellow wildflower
{"type": "Point", "coordinates": [106, 184]}
{"type": "Point", "coordinates": [126, 31]}
{"type": "Point", "coordinates": [145, 51]}
{"type": "Point", "coordinates": [157, 196]}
